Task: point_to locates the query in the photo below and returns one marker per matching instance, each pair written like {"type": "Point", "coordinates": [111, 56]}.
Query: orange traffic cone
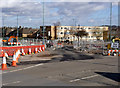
{"type": "Point", "coordinates": [119, 52]}
{"type": "Point", "coordinates": [23, 53]}
{"type": "Point", "coordinates": [14, 60]}
{"type": "Point", "coordinates": [29, 51]}
{"type": "Point", "coordinates": [4, 65]}
{"type": "Point", "coordinates": [43, 48]}
{"type": "Point", "coordinates": [17, 55]}
{"type": "Point", "coordinates": [36, 50]}
{"type": "Point", "coordinates": [2, 53]}
{"type": "Point", "coordinates": [108, 52]}
{"type": "Point", "coordinates": [40, 49]}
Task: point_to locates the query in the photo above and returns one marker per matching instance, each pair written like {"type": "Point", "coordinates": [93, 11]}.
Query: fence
{"type": "Point", "coordinates": [28, 42]}
{"type": "Point", "coordinates": [54, 44]}
{"type": "Point", "coordinates": [91, 46]}
{"type": "Point", "coordinates": [24, 42]}
{"type": "Point", "coordinates": [10, 50]}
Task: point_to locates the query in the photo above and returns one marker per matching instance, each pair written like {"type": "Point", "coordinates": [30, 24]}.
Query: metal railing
{"type": "Point", "coordinates": [27, 42]}
{"type": "Point", "coordinates": [91, 46]}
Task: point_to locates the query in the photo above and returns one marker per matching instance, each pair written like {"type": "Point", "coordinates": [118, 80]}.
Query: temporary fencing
{"type": "Point", "coordinates": [27, 42]}
{"type": "Point", "coordinates": [90, 46]}
{"type": "Point", "coordinates": [55, 44]}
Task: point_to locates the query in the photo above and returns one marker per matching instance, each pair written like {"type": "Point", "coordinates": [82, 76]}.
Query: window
{"type": "Point", "coordinates": [89, 28]}
{"type": "Point", "coordinates": [61, 33]}
{"type": "Point", "coordinates": [65, 28]}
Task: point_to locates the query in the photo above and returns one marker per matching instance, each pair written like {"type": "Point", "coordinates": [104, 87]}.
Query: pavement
{"type": "Point", "coordinates": [63, 67]}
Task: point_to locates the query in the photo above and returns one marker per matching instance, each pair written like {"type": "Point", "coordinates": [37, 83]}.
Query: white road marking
{"type": "Point", "coordinates": [74, 80]}
{"type": "Point", "coordinates": [89, 77]}
{"type": "Point", "coordinates": [11, 83]}
{"type": "Point", "coordinates": [83, 78]}
{"type": "Point", "coordinates": [23, 68]}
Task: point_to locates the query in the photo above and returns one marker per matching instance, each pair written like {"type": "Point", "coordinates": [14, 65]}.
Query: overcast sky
{"type": "Point", "coordinates": [30, 13]}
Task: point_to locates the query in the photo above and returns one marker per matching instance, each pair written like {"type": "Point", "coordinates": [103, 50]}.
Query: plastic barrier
{"type": "Point", "coordinates": [113, 51]}
{"type": "Point", "coordinates": [15, 52]}
{"type": "Point", "coordinates": [10, 50]}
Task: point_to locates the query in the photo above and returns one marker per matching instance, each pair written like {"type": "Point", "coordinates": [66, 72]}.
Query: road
{"type": "Point", "coordinates": [69, 68]}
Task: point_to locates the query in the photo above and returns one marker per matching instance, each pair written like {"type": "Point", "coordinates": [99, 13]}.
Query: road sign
{"type": "Point", "coordinates": [115, 45]}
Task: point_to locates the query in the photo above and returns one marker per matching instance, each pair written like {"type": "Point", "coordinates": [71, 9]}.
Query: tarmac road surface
{"type": "Point", "coordinates": [69, 68]}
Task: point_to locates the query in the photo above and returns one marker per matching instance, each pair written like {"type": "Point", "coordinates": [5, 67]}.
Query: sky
{"type": "Point", "coordinates": [69, 13]}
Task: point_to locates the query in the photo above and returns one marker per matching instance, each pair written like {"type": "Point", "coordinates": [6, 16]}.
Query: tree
{"type": "Point", "coordinates": [72, 32]}
{"type": "Point", "coordinates": [80, 34]}
{"type": "Point", "coordinates": [98, 33]}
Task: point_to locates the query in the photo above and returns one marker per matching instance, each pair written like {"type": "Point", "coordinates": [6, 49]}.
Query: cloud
{"type": "Point", "coordinates": [32, 12]}
{"type": "Point", "coordinates": [91, 20]}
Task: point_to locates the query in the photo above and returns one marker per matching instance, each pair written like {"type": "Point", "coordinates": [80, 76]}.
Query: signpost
{"type": "Point", "coordinates": [115, 45]}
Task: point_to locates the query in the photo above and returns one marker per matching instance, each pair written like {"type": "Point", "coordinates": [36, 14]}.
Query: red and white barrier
{"type": "Point", "coordinates": [113, 51]}
{"type": "Point", "coordinates": [15, 53]}
{"type": "Point", "coordinates": [13, 43]}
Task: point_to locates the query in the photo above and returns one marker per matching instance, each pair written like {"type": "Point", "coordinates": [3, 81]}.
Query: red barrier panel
{"type": "Point", "coordinates": [10, 50]}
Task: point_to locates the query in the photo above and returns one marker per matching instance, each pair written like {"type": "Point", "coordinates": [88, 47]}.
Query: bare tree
{"type": "Point", "coordinates": [98, 33]}
{"type": "Point", "coordinates": [80, 34]}
{"type": "Point", "coordinates": [57, 24]}
{"type": "Point", "coordinates": [72, 32]}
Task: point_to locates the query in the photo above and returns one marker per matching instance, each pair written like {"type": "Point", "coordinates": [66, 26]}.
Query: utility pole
{"type": "Point", "coordinates": [110, 22]}
{"type": "Point", "coordinates": [3, 26]}
{"type": "Point", "coordinates": [3, 29]}
{"type": "Point", "coordinates": [17, 30]}
{"type": "Point", "coordinates": [43, 24]}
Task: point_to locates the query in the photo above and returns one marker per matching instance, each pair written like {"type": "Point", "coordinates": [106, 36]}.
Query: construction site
{"type": "Point", "coordinates": [59, 55]}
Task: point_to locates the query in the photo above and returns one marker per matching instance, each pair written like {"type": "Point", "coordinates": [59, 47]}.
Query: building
{"type": "Point", "coordinates": [22, 32]}
{"type": "Point", "coordinates": [49, 32]}
{"type": "Point", "coordinates": [63, 33]}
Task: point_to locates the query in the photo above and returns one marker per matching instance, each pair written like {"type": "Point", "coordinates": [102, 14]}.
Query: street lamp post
{"type": "Point", "coordinates": [43, 24]}
{"type": "Point", "coordinates": [3, 28]}
{"type": "Point", "coordinates": [17, 30]}
{"type": "Point", "coordinates": [110, 22]}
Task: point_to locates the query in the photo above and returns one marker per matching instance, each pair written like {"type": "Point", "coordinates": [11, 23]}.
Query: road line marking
{"type": "Point", "coordinates": [89, 77]}
{"type": "Point", "coordinates": [83, 78]}
{"type": "Point", "coordinates": [23, 68]}
{"type": "Point", "coordinates": [11, 83]}
{"type": "Point", "coordinates": [74, 80]}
